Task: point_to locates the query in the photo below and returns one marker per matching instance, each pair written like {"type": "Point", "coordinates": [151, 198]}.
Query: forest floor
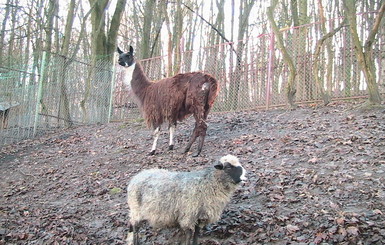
{"type": "Point", "coordinates": [315, 175]}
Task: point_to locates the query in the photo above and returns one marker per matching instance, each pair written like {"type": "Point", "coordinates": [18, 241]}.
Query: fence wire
{"type": "Point", "coordinates": [58, 92]}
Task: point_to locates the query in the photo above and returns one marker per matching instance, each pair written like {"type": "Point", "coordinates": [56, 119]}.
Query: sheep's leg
{"type": "Point", "coordinates": [188, 235]}
{"type": "Point", "coordinates": [196, 234]}
{"type": "Point", "coordinates": [133, 236]}
{"type": "Point", "coordinates": [172, 133]}
{"type": "Point", "coordinates": [156, 137]}
{"type": "Point", "coordinates": [136, 236]}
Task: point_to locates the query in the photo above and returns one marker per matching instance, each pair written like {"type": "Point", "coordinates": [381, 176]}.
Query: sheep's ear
{"type": "Point", "coordinates": [119, 51]}
{"type": "Point", "coordinates": [219, 166]}
{"type": "Point", "coordinates": [131, 49]}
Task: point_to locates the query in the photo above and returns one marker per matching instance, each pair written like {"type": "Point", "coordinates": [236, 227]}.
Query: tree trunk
{"type": "Point", "coordinates": [3, 29]}
{"type": "Point", "coordinates": [290, 89]}
{"type": "Point", "coordinates": [325, 95]}
{"type": "Point", "coordinates": [64, 102]}
{"type": "Point", "coordinates": [244, 13]}
{"type": "Point", "coordinates": [103, 46]}
{"type": "Point", "coordinates": [364, 55]}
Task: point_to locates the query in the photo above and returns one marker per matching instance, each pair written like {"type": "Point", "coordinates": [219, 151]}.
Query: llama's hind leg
{"type": "Point", "coordinates": [199, 130]}
{"type": "Point", "coordinates": [156, 137]}
{"type": "Point", "coordinates": [194, 136]}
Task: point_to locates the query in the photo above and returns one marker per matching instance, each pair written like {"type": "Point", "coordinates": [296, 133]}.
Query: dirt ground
{"type": "Point", "coordinates": [315, 176]}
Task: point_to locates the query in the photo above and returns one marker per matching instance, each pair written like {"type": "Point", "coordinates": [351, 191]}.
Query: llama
{"type": "Point", "coordinates": [172, 99]}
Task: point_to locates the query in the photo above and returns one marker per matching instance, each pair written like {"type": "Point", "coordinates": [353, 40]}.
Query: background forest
{"type": "Point", "coordinates": [57, 58]}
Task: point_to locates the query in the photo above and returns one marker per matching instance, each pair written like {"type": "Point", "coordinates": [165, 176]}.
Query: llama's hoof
{"type": "Point", "coordinates": [171, 147]}
{"type": "Point", "coordinates": [195, 154]}
{"type": "Point", "coordinates": [151, 153]}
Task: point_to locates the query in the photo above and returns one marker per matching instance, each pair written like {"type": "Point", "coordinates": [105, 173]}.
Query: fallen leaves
{"type": "Point", "coordinates": [315, 176]}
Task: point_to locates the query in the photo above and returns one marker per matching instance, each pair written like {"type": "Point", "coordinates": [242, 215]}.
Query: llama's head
{"type": "Point", "coordinates": [126, 59]}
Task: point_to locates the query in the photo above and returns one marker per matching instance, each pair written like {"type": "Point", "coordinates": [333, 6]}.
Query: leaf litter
{"type": "Point", "coordinates": [315, 176]}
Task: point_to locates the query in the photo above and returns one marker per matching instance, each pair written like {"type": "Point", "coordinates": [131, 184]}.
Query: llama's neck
{"type": "Point", "coordinates": [138, 81]}
{"type": "Point", "coordinates": [128, 75]}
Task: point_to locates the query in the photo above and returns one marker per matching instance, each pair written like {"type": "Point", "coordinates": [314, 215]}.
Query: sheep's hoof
{"type": "Point", "coordinates": [171, 147]}
{"type": "Point", "coordinates": [151, 153]}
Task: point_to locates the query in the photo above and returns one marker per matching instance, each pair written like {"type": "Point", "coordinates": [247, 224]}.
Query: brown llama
{"type": "Point", "coordinates": [172, 99]}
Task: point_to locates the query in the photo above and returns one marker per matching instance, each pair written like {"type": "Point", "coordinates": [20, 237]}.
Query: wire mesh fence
{"type": "Point", "coordinates": [59, 92]}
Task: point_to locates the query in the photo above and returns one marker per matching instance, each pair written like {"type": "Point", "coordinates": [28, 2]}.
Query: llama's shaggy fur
{"type": "Point", "coordinates": [173, 99]}
{"type": "Point", "coordinates": [188, 200]}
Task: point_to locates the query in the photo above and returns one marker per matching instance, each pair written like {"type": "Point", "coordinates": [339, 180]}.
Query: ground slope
{"type": "Point", "coordinates": [316, 175]}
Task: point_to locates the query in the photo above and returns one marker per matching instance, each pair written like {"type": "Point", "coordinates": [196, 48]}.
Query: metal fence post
{"type": "Point", "coordinates": [112, 90]}
{"type": "Point", "coordinates": [39, 93]}
{"type": "Point", "coordinates": [270, 75]}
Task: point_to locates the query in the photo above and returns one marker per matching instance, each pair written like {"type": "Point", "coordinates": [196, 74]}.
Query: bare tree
{"type": "Point", "coordinates": [103, 46]}
{"type": "Point", "coordinates": [3, 29]}
{"type": "Point", "coordinates": [324, 93]}
{"type": "Point", "coordinates": [290, 89]}
{"type": "Point", "coordinates": [364, 52]}
{"type": "Point", "coordinates": [243, 22]}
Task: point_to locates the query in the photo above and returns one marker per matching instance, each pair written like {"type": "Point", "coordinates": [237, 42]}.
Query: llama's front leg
{"type": "Point", "coordinates": [172, 133]}
{"type": "Point", "coordinates": [156, 137]}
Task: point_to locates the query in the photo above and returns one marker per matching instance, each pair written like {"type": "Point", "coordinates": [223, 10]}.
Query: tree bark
{"type": "Point", "coordinates": [290, 89]}
{"type": "Point", "coordinates": [364, 55]}
{"type": "Point", "coordinates": [103, 46]}
{"type": "Point", "coordinates": [3, 29]}
{"type": "Point", "coordinates": [325, 94]}
{"type": "Point", "coordinates": [64, 102]}
{"type": "Point", "coordinates": [235, 79]}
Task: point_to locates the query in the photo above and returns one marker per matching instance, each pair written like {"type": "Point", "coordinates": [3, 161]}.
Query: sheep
{"type": "Point", "coordinates": [184, 200]}
{"type": "Point", "coordinates": [172, 99]}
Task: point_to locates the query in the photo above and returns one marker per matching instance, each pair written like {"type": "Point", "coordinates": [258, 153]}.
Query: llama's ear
{"type": "Point", "coordinates": [131, 49]}
{"type": "Point", "coordinates": [218, 165]}
{"type": "Point", "coordinates": [119, 51]}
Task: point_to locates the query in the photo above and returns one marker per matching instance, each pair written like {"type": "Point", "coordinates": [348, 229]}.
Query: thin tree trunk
{"type": "Point", "coordinates": [325, 95]}
{"type": "Point", "coordinates": [364, 55]}
{"type": "Point", "coordinates": [244, 13]}
{"type": "Point", "coordinates": [64, 102]}
{"type": "Point", "coordinates": [103, 46]}
{"type": "Point", "coordinates": [3, 29]}
{"type": "Point", "coordinates": [290, 89]}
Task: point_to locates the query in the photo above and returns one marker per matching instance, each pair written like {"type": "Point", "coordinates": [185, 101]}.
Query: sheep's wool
{"type": "Point", "coordinates": [181, 199]}
{"type": "Point", "coordinates": [230, 159]}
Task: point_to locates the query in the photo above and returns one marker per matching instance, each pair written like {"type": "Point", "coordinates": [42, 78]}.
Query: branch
{"type": "Point", "coordinates": [212, 26]}
{"type": "Point", "coordinates": [326, 36]}
{"type": "Point", "coordinates": [373, 32]}
{"type": "Point", "coordinates": [325, 96]}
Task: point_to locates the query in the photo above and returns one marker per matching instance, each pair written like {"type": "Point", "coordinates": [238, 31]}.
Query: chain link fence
{"type": "Point", "coordinates": [59, 92]}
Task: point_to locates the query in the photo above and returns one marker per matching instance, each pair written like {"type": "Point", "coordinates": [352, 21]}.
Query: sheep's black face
{"type": "Point", "coordinates": [235, 172]}
{"type": "Point", "coordinates": [232, 168]}
{"type": "Point", "coordinates": [126, 59]}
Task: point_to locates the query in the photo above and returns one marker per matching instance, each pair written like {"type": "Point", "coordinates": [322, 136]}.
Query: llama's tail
{"type": "Point", "coordinates": [211, 88]}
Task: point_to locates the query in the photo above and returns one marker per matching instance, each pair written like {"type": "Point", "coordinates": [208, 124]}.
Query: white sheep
{"type": "Point", "coordinates": [186, 200]}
